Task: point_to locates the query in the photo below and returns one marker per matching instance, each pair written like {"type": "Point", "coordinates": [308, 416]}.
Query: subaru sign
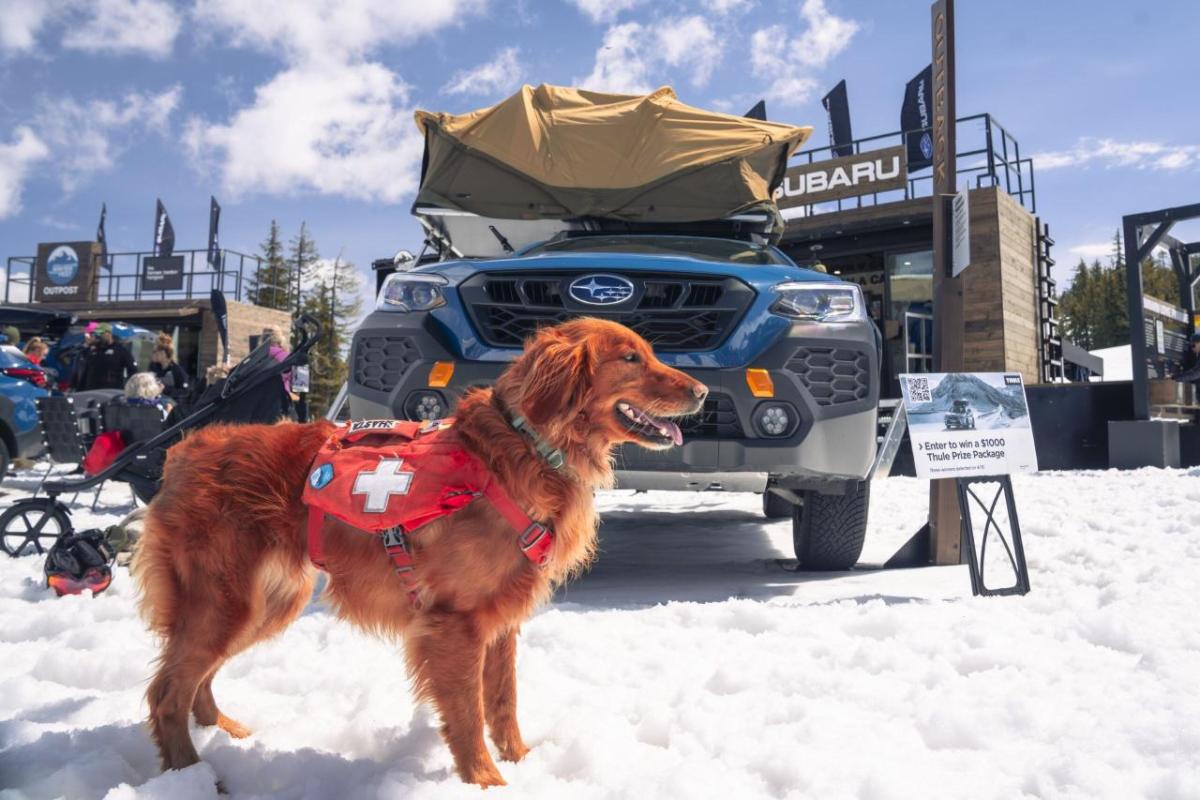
{"type": "Point", "coordinates": [601, 290]}
{"type": "Point", "coordinates": [64, 271]}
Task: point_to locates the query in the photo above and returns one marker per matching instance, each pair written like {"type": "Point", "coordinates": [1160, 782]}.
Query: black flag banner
{"type": "Point", "coordinates": [758, 111]}
{"type": "Point", "coordinates": [164, 232]}
{"type": "Point", "coordinates": [838, 108]}
{"type": "Point", "coordinates": [916, 116]}
{"type": "Point", "coordinates": [102, 237]}
{"type": "Point", "coordinates": [216, 299]}
{"type": "Point", "coordinates": [214, 247]}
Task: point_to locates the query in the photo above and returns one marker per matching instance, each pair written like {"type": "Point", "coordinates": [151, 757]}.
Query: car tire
{"type": "Point", "coordinates": [828, 530]}
{"type": "Point", "coordinates": [776, 507]}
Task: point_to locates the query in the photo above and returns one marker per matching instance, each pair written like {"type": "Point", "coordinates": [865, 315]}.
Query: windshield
{"type": "Point", "coordinates": [723, 250]}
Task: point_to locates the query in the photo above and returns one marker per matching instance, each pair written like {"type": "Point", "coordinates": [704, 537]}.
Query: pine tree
{"type": "Point", "coordinates": [1077, 314]}
{"type": "Point", "coordinates": [269, 284]}
{"type": "Point", "coordinates": [333, 298]}
{"type": "Point", "coordinates": [303, 262]}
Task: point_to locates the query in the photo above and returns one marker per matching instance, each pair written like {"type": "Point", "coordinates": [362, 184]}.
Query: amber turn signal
{"type": "Point", "coordinates": [440, 375]}
{"type": "Point", "coordinates": [759, 381]}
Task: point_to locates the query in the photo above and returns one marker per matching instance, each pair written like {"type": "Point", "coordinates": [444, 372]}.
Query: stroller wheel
{"type": "Point", "coordinates": [32, 526]}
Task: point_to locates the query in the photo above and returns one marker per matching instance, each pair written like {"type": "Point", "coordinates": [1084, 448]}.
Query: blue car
{"type": "Point", "coordinates": [20, 434]}
{"type": "Point", "coordinates": [789, 355]}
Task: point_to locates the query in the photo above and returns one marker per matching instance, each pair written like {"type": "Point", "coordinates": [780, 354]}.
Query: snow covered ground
{"type": "Point", "coordinates": [689, 664]}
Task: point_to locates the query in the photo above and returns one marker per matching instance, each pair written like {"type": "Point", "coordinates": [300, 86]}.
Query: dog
{"type": "Point", "coordinates": [222, 563]}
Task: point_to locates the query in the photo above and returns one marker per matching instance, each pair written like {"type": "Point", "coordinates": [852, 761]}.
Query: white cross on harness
{"type": "Point", "coordinates": [381, 483]}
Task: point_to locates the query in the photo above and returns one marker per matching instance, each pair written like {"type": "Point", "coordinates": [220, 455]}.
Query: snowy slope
{"type": "Point", "coordinates": [689, 664]}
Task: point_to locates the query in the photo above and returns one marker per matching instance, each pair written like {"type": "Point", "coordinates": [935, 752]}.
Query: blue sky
{"type": "Point", "coordinates": [302, 109]}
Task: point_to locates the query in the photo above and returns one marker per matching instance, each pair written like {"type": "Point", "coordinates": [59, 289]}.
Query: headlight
{"type": "Point", "coordinates": [820, 302]}
{"type": "Point", "coordinates": [407, 291]}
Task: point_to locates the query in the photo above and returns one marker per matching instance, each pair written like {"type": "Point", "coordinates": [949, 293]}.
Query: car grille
{"type": "Point", "coordinates": [380, 362]}
{"type": "Point", "coordinates": [672, 312]}
{"type": "Point", "coordinates": [717, 420]}
{"type": "Point", "coordinates": [833, 375]}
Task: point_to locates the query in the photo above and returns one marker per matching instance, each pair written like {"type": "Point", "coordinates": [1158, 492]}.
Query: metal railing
{"type": "Point", "coordinates": [122, 280]}
{"type": "Point", "coordinates": [992, 158]}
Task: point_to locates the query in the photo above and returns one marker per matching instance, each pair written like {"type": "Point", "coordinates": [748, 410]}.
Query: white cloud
{"type": "Point", "coordinates": [148, 27]}
{"type": "Point", "coordinates": [88, 137]}
{"type": "Point", "coordinates": [605, 10]}
{"type": "Point", "coordinates": [16, 159]}
{"type": "Point", "coordinates": [343, 129]}
{"type": "Point", "coordinates": [22, 20]}
{"type": "Point", "coordinates": [331, 121]}
{"type": "Point", "coordinates": [1111, 153]}
{"type": "Point", "coordinates": [328, 30]}
{"type": "Point", "coordinates": [788, 62]}
{"type": "Point", "coordinates": [1092, 250]}
{"type": "Point", "coordinates": [501, 74]}
{"type": "Point", "coordinates": [635, 59]}
{"type": "Point", "coordinates": [724, 7]}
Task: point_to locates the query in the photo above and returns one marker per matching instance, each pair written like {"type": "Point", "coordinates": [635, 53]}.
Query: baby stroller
{"type": "Point", "coordinates": [251, 393]}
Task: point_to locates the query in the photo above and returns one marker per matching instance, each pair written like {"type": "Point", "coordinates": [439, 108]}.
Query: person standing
{"type": "Point", "coordinates": [36, 350]}
{"type": "Point", "coordinates": [174, 380]}
{"type": "Point", "coordinates": [108, 363]}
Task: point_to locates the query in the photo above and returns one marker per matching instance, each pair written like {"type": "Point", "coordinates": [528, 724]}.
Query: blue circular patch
{"type": "Point", "coordinates": [63, 265]}
{"type": "Point", "coordinates": [926, 145]}
{"type": "Point", "coordinates": [321, 476]}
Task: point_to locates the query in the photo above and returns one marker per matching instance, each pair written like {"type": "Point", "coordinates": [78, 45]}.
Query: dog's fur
{"type": "Point", "coordinates": [223, 562]}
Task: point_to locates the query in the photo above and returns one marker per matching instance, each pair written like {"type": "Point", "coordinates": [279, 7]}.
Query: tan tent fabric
{"type": "Point", "coordinates": [553, 151]}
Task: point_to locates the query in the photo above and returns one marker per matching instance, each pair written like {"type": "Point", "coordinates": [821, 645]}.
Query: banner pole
{"type": "Point", "coordinates": [945, 522]}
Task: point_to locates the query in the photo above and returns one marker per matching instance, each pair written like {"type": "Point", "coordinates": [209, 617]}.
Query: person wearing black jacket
{"type": "Point", "coordinates": [107, 364]}
{"type": "Point", "coordinates": [1189, 371]}
{"type": "Point", "coordinates": [176, 384]}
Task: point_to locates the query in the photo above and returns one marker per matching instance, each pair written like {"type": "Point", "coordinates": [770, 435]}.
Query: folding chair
{"type": "Point", "coordinates": [60, 434]}
{"type": "Point", "coordinates": [136, 424]}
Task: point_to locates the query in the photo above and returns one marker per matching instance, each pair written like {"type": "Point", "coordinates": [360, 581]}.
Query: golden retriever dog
{"type": "Point", "coordinates": [223, 562]}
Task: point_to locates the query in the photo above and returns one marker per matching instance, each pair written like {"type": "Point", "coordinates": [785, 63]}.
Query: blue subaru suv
{"type": "Point", "coordinates": [790, 357]}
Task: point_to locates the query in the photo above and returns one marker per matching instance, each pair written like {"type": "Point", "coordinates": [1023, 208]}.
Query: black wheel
{"type": "Point", "coordinates": [32, 526]}
{"type": "Point", "coordinates": [829, 529]}
{"type": "Point", "coordinates": [776, 507]}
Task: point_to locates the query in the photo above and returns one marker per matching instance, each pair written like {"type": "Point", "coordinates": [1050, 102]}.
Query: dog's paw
{"type": "Point", "coordinates": [484, 775]}
{"type": "Point", "coordinates": [513, 751]}
{"type": "Point", "coordinates": [231, 726]}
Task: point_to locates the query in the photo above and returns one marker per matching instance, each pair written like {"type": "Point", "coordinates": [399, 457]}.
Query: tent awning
{"type": "Point", "coordinates": [556, 152]}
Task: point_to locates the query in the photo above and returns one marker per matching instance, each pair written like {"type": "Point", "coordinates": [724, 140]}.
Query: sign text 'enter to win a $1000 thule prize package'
{"type": "Point", "coordinates": [968, 424]}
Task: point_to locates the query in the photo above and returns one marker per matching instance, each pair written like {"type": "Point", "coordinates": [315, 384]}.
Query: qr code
{"type": "Point", "coordinates": [918, 390]}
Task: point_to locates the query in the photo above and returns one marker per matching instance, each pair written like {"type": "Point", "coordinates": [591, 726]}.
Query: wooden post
{"type": "Point", "coordinates": [945, 526]}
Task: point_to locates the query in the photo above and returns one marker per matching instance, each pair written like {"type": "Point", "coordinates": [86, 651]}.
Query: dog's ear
{"type": "Point", "coordinates": [557, 379]}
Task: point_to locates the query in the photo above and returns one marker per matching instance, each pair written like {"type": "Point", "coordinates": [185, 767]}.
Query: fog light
{"type": "Point", "coordinates": [424, 406]}
{"type": "Point", "coordinates": [775, 419]}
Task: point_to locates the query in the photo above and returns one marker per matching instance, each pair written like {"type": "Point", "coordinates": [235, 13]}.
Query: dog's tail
{"type": "Point", "coordinates": [153, 568]}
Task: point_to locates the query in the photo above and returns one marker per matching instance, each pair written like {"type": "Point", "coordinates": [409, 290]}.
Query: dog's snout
{"type": "Point", "coordinates": [700, 391]}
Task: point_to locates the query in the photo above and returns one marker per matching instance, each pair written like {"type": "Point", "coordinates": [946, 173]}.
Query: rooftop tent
{"type": "Point", "coordinates": [559, 153]}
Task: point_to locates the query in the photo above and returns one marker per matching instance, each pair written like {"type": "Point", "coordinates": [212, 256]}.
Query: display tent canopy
{"type": "Point", "coordinates": [553, 152]}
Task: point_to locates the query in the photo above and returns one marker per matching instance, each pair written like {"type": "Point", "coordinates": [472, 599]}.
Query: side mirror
{"type": "Point", "coordinates": [403, 261]}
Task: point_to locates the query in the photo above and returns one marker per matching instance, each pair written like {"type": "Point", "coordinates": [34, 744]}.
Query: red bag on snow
{"type": "Point", "coordinates": [103, 452]}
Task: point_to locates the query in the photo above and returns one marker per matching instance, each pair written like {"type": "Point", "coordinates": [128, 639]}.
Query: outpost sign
{"type": "Point", "coordinates": [65, 271]}
{"type": "Point", "coordinates": [873, 171]}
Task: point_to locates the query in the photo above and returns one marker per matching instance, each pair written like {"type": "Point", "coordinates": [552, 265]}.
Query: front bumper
{"type": "Point", "coordinates": [826, 373]}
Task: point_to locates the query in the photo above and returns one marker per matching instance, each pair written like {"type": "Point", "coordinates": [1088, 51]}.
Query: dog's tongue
{"type": "Point", "coordinates": [664, 426]}
{"type": "Point", "coordinates": [673, 431]}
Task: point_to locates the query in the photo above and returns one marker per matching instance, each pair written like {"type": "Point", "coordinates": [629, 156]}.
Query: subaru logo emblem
{"type": "Point", "coordinates": [601, 290]}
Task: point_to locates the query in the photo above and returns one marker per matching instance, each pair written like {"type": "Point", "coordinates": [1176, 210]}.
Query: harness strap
{"type": "Point", "coordinates": [316, 544]}
{"type": "Point", "coordinates": [535, 539]}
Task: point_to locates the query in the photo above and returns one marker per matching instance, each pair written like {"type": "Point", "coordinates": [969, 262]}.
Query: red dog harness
{"type": "Point", "coordinates": [391, 478]}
